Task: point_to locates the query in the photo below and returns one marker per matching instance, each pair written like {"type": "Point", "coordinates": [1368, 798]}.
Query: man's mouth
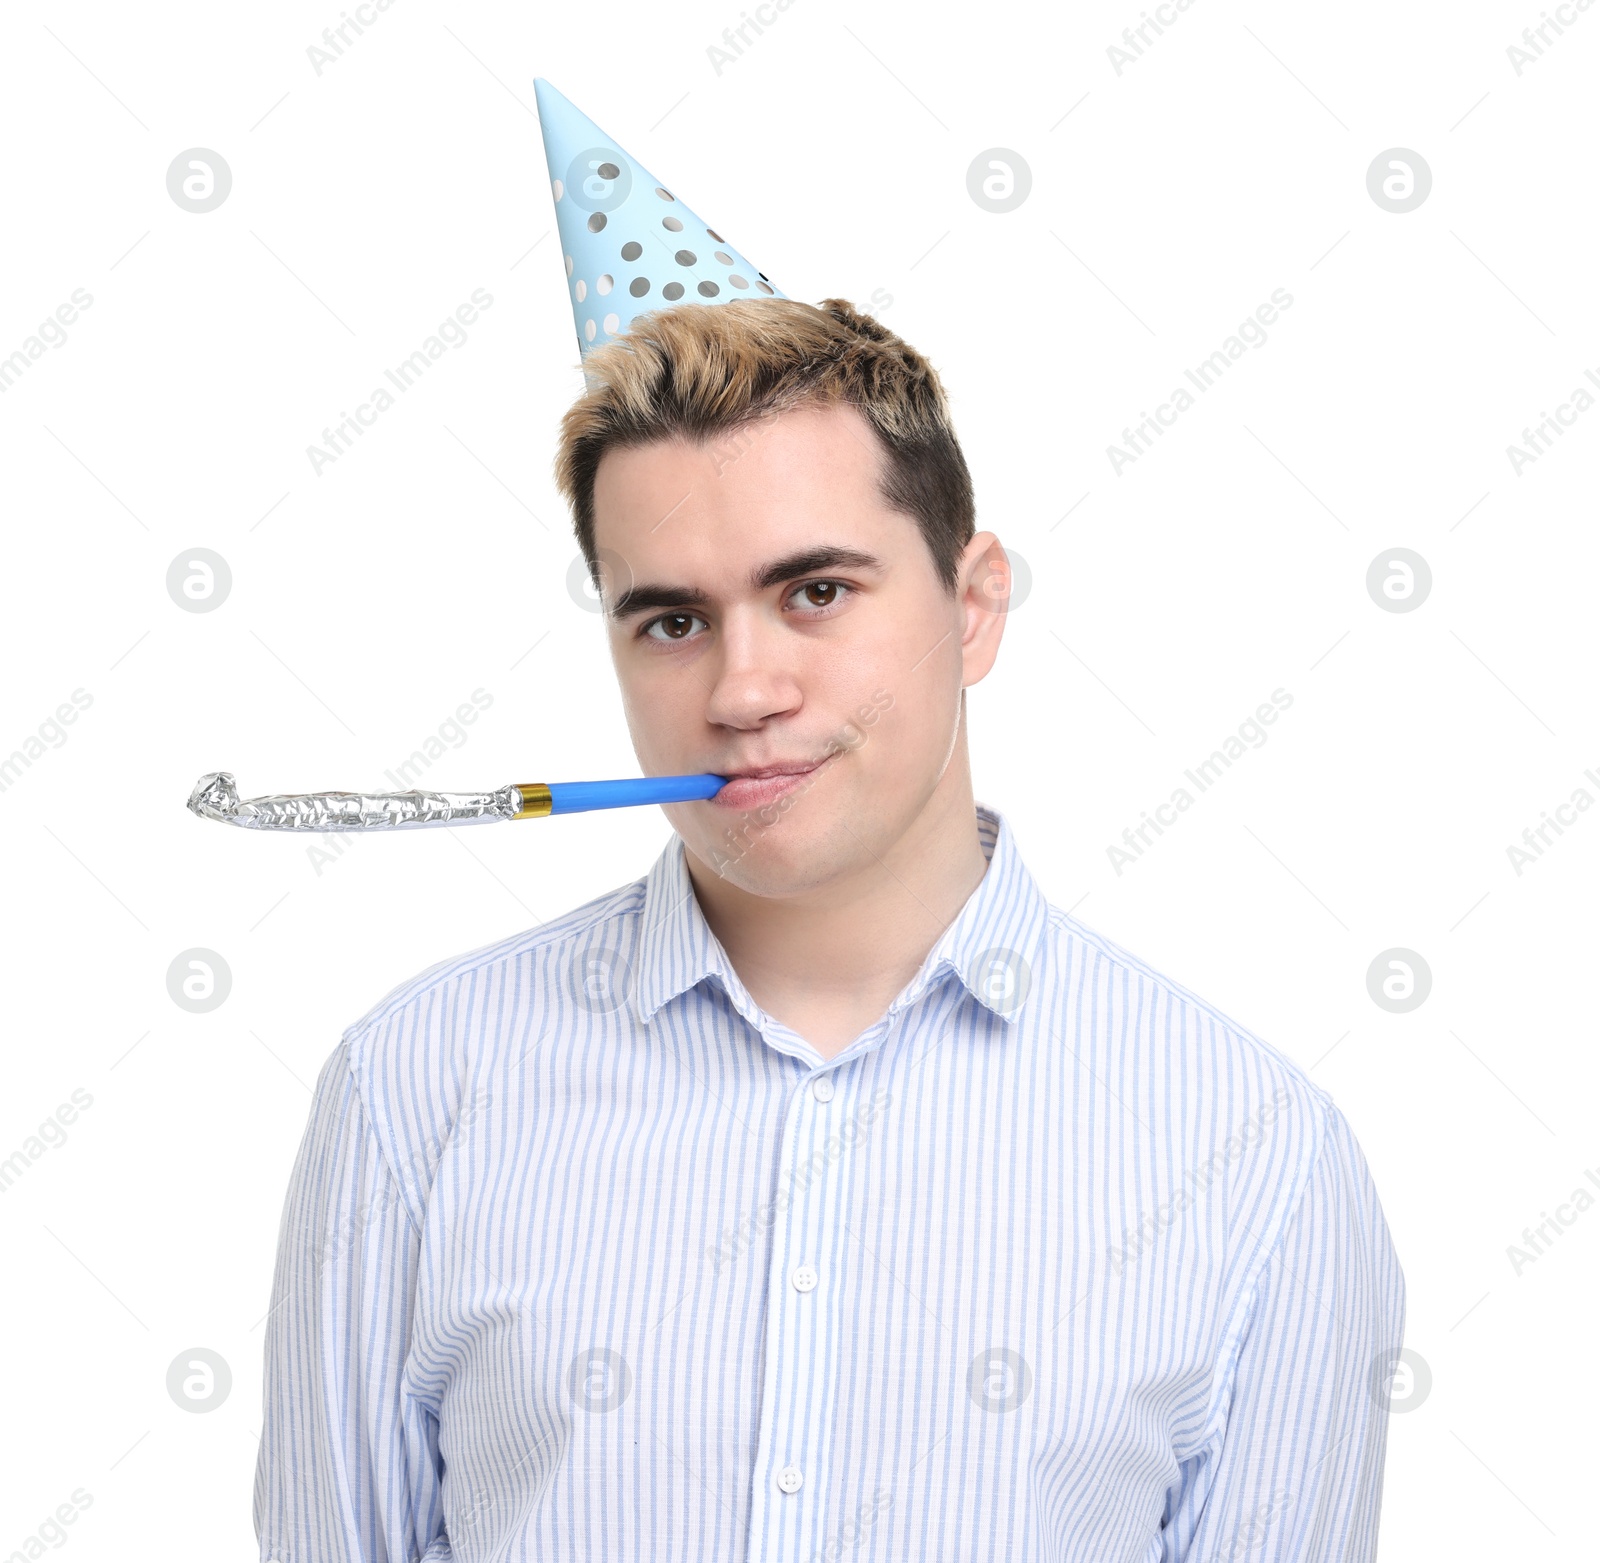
{"type": "Point", "coordinates": [752, 787]}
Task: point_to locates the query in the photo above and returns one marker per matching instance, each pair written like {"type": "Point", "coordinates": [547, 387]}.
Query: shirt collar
{"type": "Point", "coordinates": [992, 946]}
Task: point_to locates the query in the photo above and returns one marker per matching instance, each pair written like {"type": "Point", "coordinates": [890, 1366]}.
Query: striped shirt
{"type": "Point", "coordinates": [585, 1256]}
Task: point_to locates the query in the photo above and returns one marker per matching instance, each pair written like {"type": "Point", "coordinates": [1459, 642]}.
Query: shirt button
{"type": "Point", "coordinates": [789, 1478]}
{"type": "Point", "coordinates": [805, 1279]}
{"type": "Point", "coordinates": [822, 1088]}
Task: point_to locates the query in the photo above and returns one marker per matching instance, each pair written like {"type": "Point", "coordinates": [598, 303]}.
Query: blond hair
{"type": "Point", "coordinates": [699, 371]}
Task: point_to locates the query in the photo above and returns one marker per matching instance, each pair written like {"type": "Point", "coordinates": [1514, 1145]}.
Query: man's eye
{"type": "Point", "coordinates": [820, 594]}
{"type": "Point", "coordinates": [672, 626]}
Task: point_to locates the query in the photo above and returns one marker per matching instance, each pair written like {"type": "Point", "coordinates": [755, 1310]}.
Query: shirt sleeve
{"type": "Point", "coordinates": [349, 1469]}
{"type": "Point", "coordinates": [1296, 1473]}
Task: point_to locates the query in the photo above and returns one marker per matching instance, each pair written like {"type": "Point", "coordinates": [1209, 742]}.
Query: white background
{"type": "Point", "coordinates": [1167, 603]}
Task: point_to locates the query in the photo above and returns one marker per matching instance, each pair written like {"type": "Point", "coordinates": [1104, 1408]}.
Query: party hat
{"type": "Point", "coordinates": [628, 243]}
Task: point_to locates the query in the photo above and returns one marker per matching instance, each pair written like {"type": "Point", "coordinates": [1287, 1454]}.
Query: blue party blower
{"type": "Point", "coordinates": [577, 797]}
{"type": "Point", "coordinates": [216, 797]}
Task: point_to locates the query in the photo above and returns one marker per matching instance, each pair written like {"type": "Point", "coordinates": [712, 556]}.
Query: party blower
{"type": "Point", "coordinates": [216, 797]}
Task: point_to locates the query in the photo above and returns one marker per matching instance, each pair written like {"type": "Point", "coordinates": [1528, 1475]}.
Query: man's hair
{"type": "Point", "coordinates": [701, 371]}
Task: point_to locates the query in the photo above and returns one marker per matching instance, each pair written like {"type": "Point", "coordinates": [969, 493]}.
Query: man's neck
{"type": "Point", "coordinates": [870, 932]}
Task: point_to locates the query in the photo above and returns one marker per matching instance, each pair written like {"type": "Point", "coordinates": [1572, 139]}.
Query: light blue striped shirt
{"type": "Point", "coordinates": [585, 1256]}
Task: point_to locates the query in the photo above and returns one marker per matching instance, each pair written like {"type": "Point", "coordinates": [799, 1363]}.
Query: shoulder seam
{"type": "Point", "coordinates": [369, 1128]}
{"type": "Point", "coordinates": [1244, 1308]}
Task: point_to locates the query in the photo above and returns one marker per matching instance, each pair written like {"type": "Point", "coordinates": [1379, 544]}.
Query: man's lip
{"type": "Point", "coordinates": [799, 768]}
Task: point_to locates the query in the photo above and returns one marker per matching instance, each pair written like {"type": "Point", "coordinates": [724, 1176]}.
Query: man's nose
{"type": "Point", "coordinates": [754, 680]}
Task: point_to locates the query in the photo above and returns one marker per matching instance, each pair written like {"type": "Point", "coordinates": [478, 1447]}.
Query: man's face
{"type": "Point", "coordinates": [767, 612]}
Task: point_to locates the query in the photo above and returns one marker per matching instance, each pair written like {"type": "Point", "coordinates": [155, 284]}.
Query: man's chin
{"type": "Point", "coordinates": [780, 855]}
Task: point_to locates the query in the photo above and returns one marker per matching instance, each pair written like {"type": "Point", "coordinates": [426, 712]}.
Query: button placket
{"type": "Point", "coordinates": [787, 1513]}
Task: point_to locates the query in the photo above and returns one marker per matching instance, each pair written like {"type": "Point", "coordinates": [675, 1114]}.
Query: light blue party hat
{"type": "Point", "coordinates": [628, 243]}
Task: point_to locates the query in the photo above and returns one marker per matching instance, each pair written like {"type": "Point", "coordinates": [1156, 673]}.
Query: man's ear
{"type": "Point", "coordinates": [983, 588]}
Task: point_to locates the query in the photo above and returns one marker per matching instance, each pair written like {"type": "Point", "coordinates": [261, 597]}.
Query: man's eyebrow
{"type": "Point", "coordinates": [645, 596]}
{"type": "Point", "coordinates": [825, 556]}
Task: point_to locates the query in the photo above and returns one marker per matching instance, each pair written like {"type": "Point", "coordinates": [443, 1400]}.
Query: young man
{"type": "Point", "coordinates": [825, 1189]}
{"type": "Point", "coordinates": [826, 1192]}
